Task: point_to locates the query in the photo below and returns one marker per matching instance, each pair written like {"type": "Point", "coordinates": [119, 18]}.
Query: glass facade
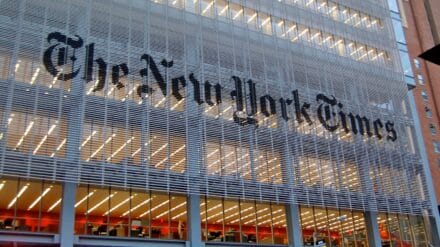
{"type": "Point", "coordinates": [401, 41]}
{"type": "Point", "coordinates": [332, 227]}
{"type": "Point", "coordinates": [242, 221]}
{"type": "Point", "coordinates": [31, 206]}
{"type": "Point", "coordinates": [402, 230]}
{"type": "Point", "coordinates": [172, 122]}
{"type": "Point", "coordinates": [113, 212]}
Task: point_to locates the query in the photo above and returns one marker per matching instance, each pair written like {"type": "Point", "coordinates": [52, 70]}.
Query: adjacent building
{"type": "Point", "coordinates": [208, 123]}
{"type": "Point", "coordinates": [422, 29]}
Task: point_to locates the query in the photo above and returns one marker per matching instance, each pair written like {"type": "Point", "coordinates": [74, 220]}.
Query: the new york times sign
{"type": "Point", "coordinates": [330, 112]}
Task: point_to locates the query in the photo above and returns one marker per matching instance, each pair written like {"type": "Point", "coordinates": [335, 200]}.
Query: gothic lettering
{"type": "Point", "coordinates": [330, 112]}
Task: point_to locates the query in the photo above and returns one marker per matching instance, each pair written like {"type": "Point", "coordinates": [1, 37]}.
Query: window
{"type": "Point", "coordinates": [428, 112]}
{"type": "Point", "coordinates": [325, 225]}
{"type": "Point", "coordinates": [29, 205]}
{"type": "Point", "coordinates": [243, 221]}
{"type": "Point", "coordinates": [406, 63]}
{"type": "Point", "coordinates": [127, 213]}
{"type": "Point", "coordinates": [405, 228]}
{"type": "Point", "coordinates": [420, 79]}
{"type": "Point", "coordinates": [393, 6]}
{"type": "Point", "coordinates": [436, 146]}
{"type": "Point", "coordinates": [424, 95]}
{"type": "Point", "coordinates": [398, 30]}
{"type": "Point", "coordinates": [432, 128]}
{"type": "Point", "coordinates": [416, 63]}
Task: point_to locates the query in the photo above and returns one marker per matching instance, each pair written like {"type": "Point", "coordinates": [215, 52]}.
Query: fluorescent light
{"type": "Point", "coordinates": [173, 209]}
{"type": "Point", "coordinates": [101, 147]}
{"type": "Point", "coordinates": [43, 140]}
{"type": "Point", "coordinates": [82, 200]}
{"type": "Point", "coordinates": [129, 93]}
{"type": "Point", "coordinates": [110, 91]}
{"type": "Point", "coordinates": [93, 87]}
{"type": "Point", "coordinates": [217, 214]}
{"type": "Point", "coordinates": [177, 104]}
{"type": "Point", "coordinates": [252, 17]}
{"type": "Point", "coordinates": [160, 102]}
{"type": "Point", "coordinates": [303, 32]}
{"type": "Point", "coordinates": [290, 29]}
{"type": "Point", "coordinates": [158, 150]}
{"type": "Point", "coordinates": [223, 10]}
{"type": "Point", "coordinates": [17, 65]}
{"type": "Point", "coordinates": [2, 185]}
{"type": "Point", "coordinates": [212, 153]}
{"type": "Point", "coordinates": [119, 205]}
{"type": "Point", "coordinates": [171, 155]}
{"type": "Point", "coordinates": [29, 127]}
{"type": "Point", "coordinates": [54, 205]}
{"type": "Point", "coordinates": [238, 14]}
{"type": "Point", "coordinates": [120, 148]}
{"type": "Point", "coordinates": [59, 147]}
{"type": "Point", "coordinates": [138, 206]}
{"type": "Point", "coordinates": [101, 202]}
{"type": "Point", "coordinates": [178, 163]}
{"type": "Point", "coordinates": [35, 75]}
{"type": "Point", "coordinates": [177, 216]}
{"type": "Point", "coordinates": [39, 198]}
{"type": "Point", "coordinates": [139, 149]}
{"type": "Point", "coordinates": [265, 21]}
{"type": "Point", "coordinates": [18, 195]}
{"type": "Point", "coordinates": [207, 7]}
{"type": "Point", "coordinates": [88, 139]}
{"type": "Point", "coordinates": [55, 79]}
{"type": "Point", "coordinates": [156, 207]}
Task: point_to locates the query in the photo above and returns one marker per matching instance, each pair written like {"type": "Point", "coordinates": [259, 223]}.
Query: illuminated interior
{"type": "Point", "coordinates": [333, 227]}
{"type": "Point", "coordinates": [402, 230]}
{"type": "Point", "coordinates": [243, 221]}
{"type": "Point", "coordinates": [35, 206]}
{"type": "Point", "coordinates": [29, 205]}
{"type": "Point", "coordinates": [112, 212]}
{"type": "Point", "coordinates": [289, 30]}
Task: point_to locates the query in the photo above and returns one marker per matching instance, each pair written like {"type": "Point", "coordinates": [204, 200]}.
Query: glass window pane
{"type": "Point", "coordinates": [9, 190]}
{"type": "Point", "coordinates": [178, 217]}
{"type": "Point", "coordinates": [232, 221]}
{"type": "Point", "coordinates": [119, 204]}
{"type": "Point", "coordinates": [50, 208]}
{"type": "Point", "coordinates": [248, 222]}
{"type": "Point", "coordinates": [214, 218]}
{"type": "Point", "coordinates": [160, 216]}
{"type": "Point", "coordinates": [27, 205]}
{"type": "Point", "coordinates": [307, 225]}
{"type": "Point", "coordinates": [98, 204]}
{"type": "Point", "coordinates": [279, 224]}
{"type": "Point", "coordinates": [264, 219]}
{"type": "Point", "coordinates": [140, 214]}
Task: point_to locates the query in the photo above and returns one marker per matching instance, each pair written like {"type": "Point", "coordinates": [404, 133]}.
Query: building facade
{"type": "Point", "coordinates": [208, 123]}
{"type": "Point", "coordinates": [421, 29]}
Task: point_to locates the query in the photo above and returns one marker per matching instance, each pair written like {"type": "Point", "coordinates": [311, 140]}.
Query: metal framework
{"type": "Point", "coordinates": [134, 136]}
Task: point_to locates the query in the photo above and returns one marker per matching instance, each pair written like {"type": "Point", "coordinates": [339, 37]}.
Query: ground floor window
{"type": "Point", "coordinates": [29, 205]}
{"type": "Point", "coordinates": [128, 213]}
{"type": "Point", "coordinates": [333, 227]}
{"type": "Point", "coordinates": [402, 230]}
{"type": "Point", "coordinates": [240, 221]}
